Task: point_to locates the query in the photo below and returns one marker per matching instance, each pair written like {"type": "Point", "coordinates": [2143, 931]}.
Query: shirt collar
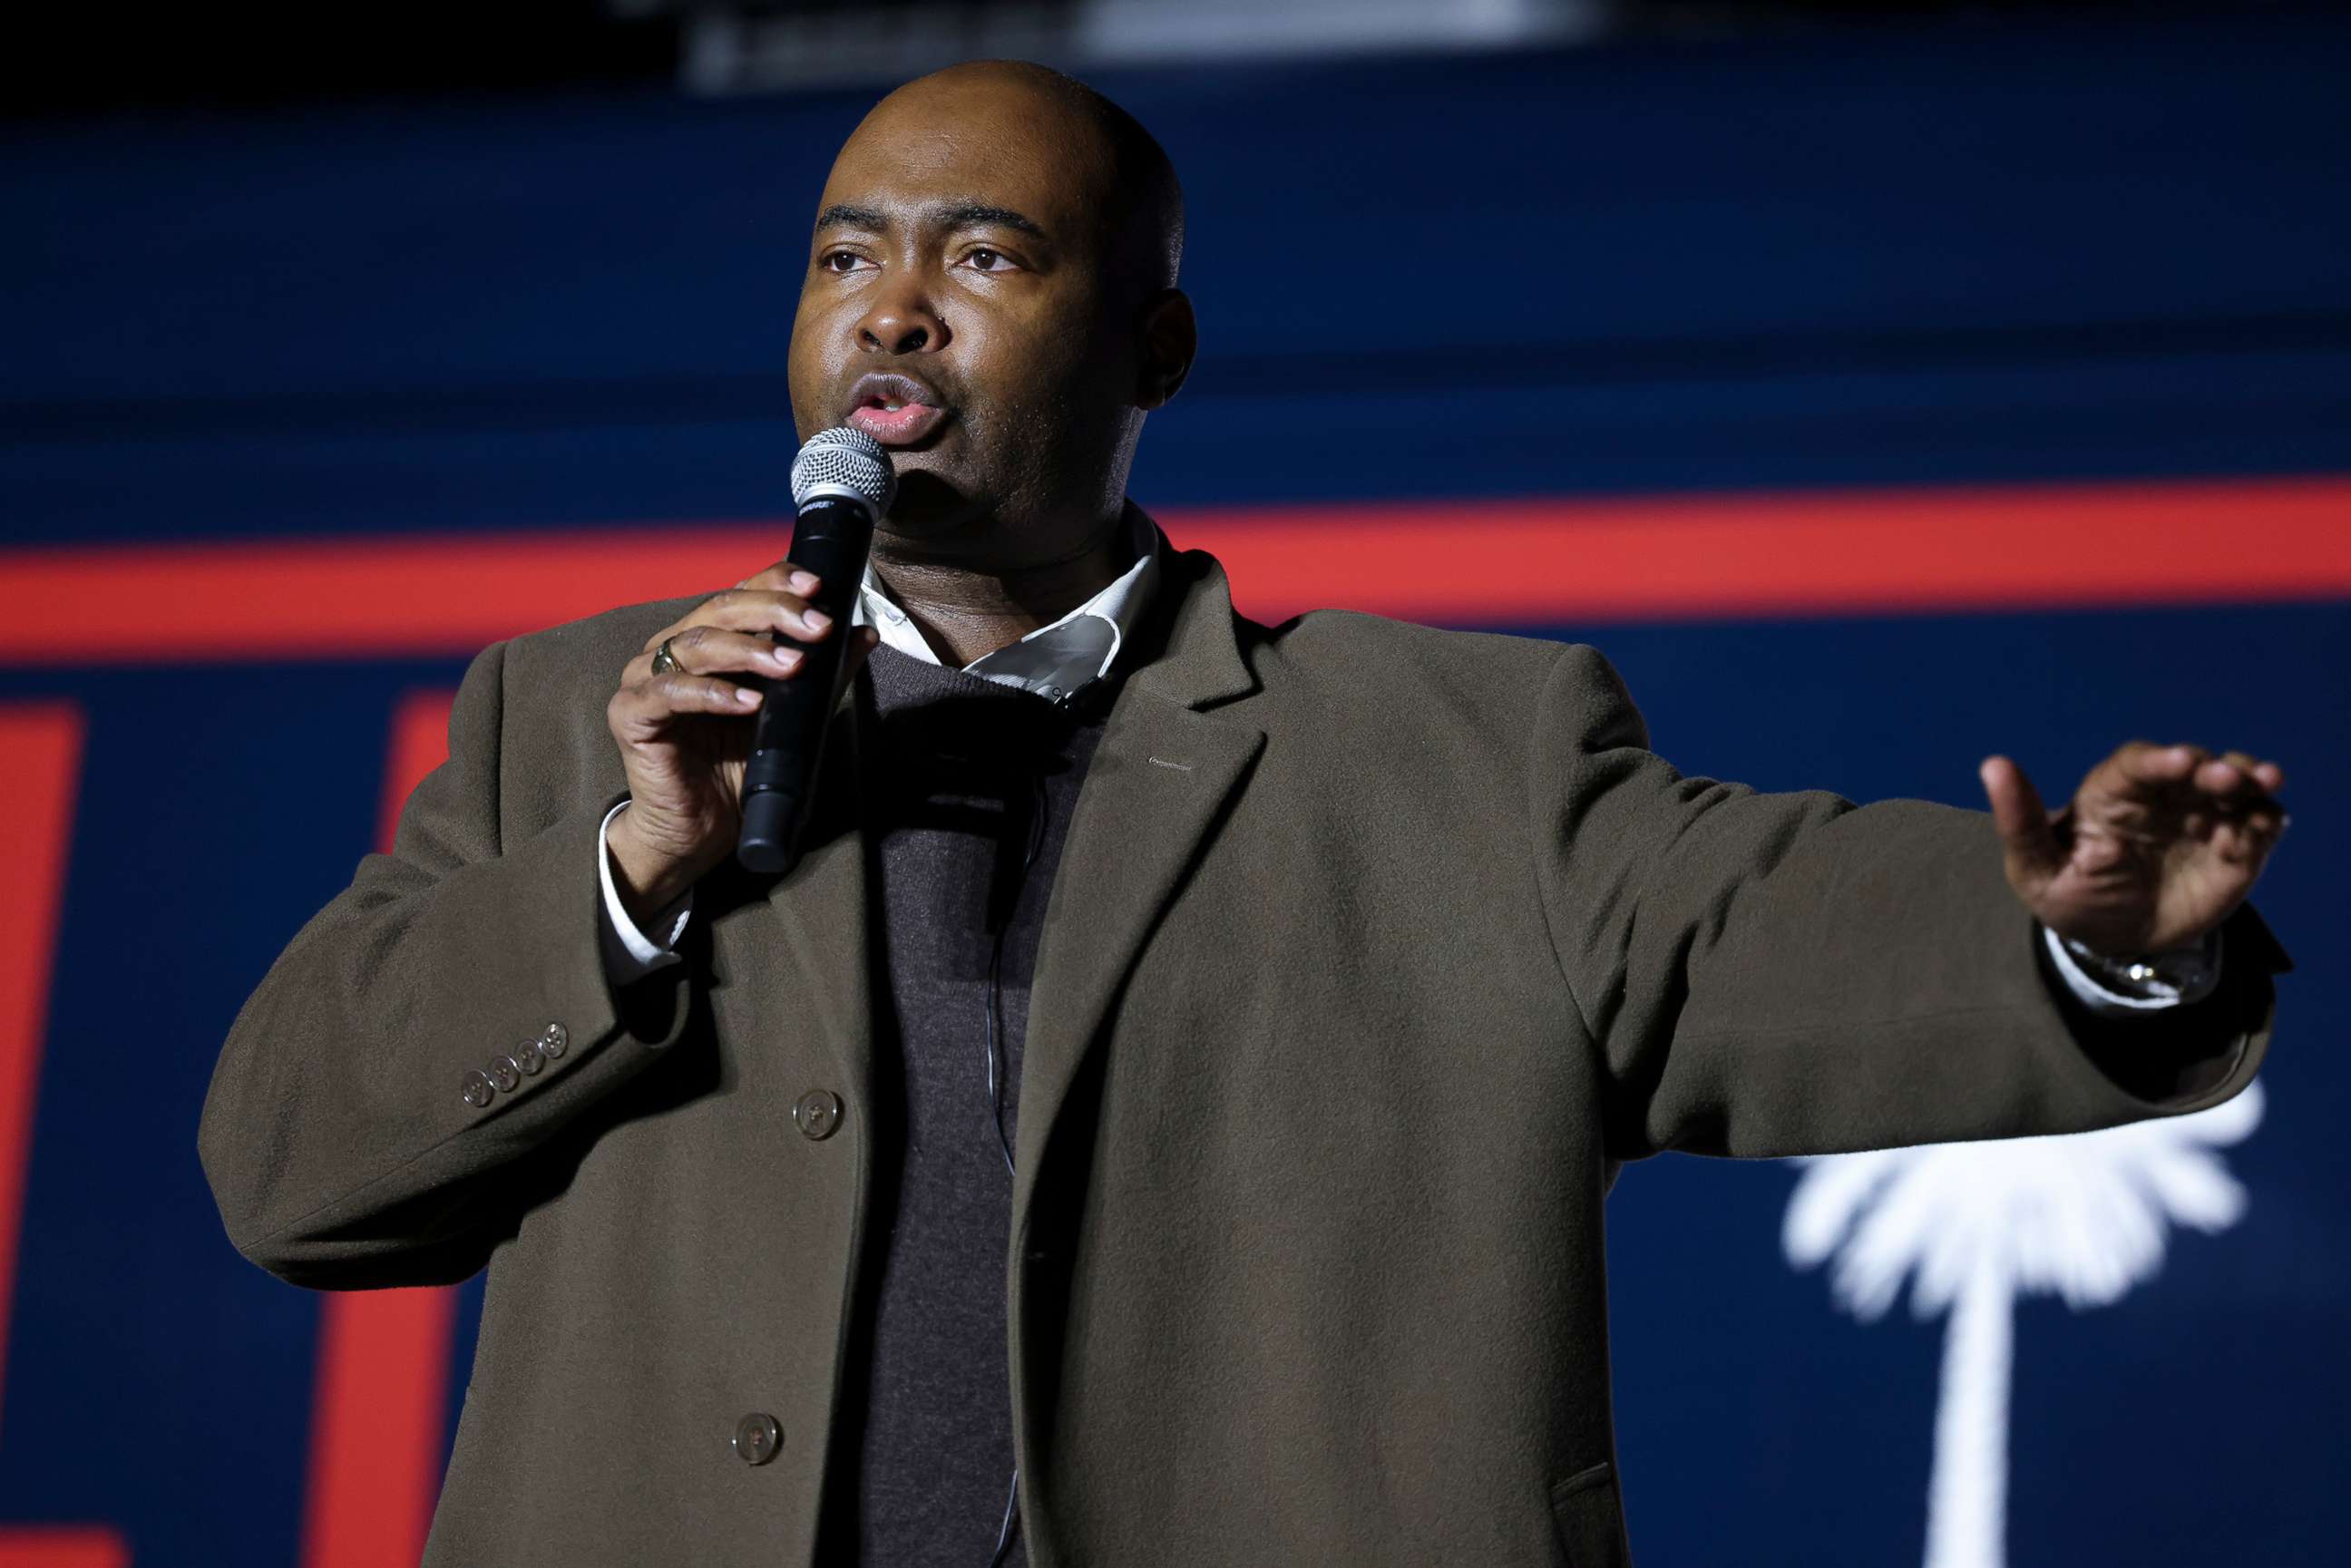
{"type": "Point", "coordinates": [1053, 662]}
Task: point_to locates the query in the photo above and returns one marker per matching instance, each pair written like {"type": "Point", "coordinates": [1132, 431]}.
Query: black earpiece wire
{"type": "Point", "coordinates": [993, 1033]}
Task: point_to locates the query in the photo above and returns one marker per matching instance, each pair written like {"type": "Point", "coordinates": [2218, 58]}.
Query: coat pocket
{"type": "Point", "coordinates": [1589, 1519]}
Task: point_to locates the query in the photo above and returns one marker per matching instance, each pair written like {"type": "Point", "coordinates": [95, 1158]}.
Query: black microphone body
{"type": "Point", "coordinates": [831, 537]}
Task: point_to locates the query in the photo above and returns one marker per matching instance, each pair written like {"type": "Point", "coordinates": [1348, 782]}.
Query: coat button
{"type": "Point", "coordinates": [530, 1056]}
{"type": "Point", "coordinates": [757, 1437]}
{"type": "Point", "coordinates": [477, 1091]}
{"type": "Point", "coordinates": [818, 1113]}
{"type": "Point", "coordinates": [505, 1074]}
{"type": "Point", "coordinates": [555, 1039]}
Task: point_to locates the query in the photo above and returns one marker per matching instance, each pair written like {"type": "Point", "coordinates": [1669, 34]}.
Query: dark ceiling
{"type": "Point", "coordinates": [78, 57]}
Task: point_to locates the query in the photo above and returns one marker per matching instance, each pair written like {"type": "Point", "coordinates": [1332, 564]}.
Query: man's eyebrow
{"type": "Point", "coordinates": [848, 215]}
{"type": "Point", "coordinates": [955, 215]}
{"type": "Point", "coordinates": [972, 214]}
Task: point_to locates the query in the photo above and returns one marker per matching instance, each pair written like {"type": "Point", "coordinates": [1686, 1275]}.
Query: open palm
{"type": "Point", "coordinates": [2157, 847]}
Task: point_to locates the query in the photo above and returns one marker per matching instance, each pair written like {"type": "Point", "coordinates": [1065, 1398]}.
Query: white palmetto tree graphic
{"type": "Point", "coordinates": [1973, 1226]}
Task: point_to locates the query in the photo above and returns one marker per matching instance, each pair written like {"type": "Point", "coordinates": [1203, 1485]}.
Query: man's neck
{"type": "Point", "coordinates": [968, 612]}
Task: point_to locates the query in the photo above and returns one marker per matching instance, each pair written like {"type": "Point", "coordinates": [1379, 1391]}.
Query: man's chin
{"type": "Point", "coordinates": [931, 510]}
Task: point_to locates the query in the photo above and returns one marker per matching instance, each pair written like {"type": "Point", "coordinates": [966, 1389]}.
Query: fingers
{"type": "Point", "coordinates": [2141, 762]}
{"type": "Point", "coordinates": [726, 652]}
{"type": "Point", "coordinates": [2226, 800]}
{"type": "Point", "coordinates": [2191, 777]}
{"type": "Point", "coordinates": [712, 650]}
{"type": "Point", "coordinates": [757, 605]}
{"type": "Point", "coordinates": [2231, 775]}
{"type": "Point", "coordinates": [2026, 833]}
{"type": "Point", "coordinates": [782, 576]}
{"type": "Point", "coordinates": [2247, 840]}
{"type": "Point", "coordinates": [2239, 776]}
{"type": "Point", "coordinates": [2247, 817]}
{"type": "Point", "coordinates": [640, 708]}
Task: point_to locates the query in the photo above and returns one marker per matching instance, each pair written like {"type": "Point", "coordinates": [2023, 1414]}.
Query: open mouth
{"type": "Point", "coordinates": [896, 411]}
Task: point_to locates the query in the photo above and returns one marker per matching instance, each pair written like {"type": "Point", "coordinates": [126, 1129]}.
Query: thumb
{"type": "Point", "coordinates": [861, 643]}
{"type": "Point", "coordinates": [2026, 834]}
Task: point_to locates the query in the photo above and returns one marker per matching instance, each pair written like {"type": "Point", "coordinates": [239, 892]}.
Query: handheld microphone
{"type": "Point", "coordinates": [842, 483]}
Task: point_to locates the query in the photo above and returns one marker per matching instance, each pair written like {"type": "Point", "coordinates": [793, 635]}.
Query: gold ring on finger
{"type": "Point", "coordinates": [664, 662]}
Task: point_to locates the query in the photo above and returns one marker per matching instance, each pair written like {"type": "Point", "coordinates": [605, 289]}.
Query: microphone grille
{"type": "Point", "coordinates": [843, 464]}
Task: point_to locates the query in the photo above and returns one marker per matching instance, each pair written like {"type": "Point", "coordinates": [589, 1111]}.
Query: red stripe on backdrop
{"type": "Point", "coordinates": [1525, 562]}
{"type": "Point", "coordinates": [1537, 563]}
{"type": "Point", "coordinates": [63, 1546]}
{"type": "Point", "coordinates": [379, 1421]}
{"type": "Point", "coordinates": [43, 744]}
{"type": "Point", "coordinates": [419, 743]}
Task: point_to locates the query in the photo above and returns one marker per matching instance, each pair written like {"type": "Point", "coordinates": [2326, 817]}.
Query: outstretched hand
{"type": "Point", "coordinates": [2159, 844]}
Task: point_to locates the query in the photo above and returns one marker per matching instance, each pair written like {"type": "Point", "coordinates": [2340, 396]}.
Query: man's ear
{"type": "Point", "coordinates": [1168, 338]}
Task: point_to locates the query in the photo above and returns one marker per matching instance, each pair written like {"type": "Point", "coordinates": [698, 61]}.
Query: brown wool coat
{"type": "Point", "coordinates": [1373, 951]}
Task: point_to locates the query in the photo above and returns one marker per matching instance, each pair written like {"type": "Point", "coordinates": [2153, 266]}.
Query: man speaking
{"type": "Point", "coordinates": [1166, 1114]}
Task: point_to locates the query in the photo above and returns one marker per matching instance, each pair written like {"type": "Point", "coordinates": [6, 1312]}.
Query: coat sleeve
{"type": "Point", "coordinates": [1771, 974]}
{"type": "Point", "coordinates": [336, 1134]}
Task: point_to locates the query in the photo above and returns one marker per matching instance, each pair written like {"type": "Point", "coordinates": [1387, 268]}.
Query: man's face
{"type": "Point", "coordinates": [957, 307]}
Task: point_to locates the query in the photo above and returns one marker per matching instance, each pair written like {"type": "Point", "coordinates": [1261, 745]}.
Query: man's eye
{"type": "Point", "coordinates": [984, 260]}
{"type": "Point", "coordinates": [839, 261]}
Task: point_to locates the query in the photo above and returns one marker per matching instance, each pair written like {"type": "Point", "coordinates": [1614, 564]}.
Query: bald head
{"type": "Point", "coordinates": [1116, 168]}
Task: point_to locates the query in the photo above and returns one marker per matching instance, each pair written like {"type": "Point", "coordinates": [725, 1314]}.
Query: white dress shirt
{"type": "Point", "coordinates": [1057, 661]}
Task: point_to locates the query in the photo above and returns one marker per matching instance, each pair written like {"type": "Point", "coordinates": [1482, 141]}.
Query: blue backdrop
{"type": "Point", "coordinates": [1967, 255]}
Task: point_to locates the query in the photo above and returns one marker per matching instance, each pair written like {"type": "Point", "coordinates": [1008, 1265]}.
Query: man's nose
{"type": "Point", "coordinates": [901, 322]}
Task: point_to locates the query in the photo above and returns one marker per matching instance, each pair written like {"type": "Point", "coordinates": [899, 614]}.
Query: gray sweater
{"type": "Point", "coordinates": [966, 801]}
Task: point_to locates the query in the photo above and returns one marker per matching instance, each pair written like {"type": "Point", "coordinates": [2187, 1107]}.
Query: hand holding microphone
{"type": "Point", "coordinates": [731, 723]}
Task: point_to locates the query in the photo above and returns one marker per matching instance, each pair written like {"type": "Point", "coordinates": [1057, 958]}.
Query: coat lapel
{"type": "Point", "coordinates": [1163, 776]}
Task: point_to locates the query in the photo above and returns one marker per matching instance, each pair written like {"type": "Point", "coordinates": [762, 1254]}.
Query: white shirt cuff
{"type": "Point", "coordinates": [2168, 980]}
{"type": "Point", "coordinates": [628, 952]}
